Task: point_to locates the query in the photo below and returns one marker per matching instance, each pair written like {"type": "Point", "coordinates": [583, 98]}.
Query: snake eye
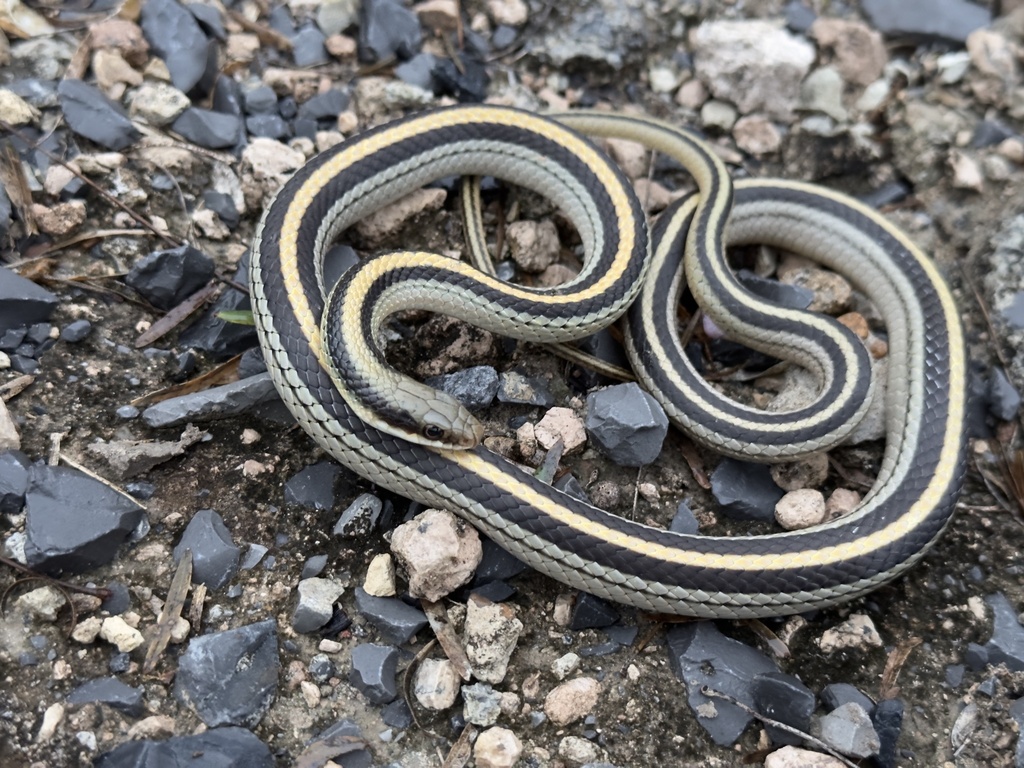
{"type": "Point", "coordinates": [433, 432]}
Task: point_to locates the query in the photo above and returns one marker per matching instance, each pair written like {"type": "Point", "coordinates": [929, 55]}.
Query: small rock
{"type": "Point", "coordinates": [516, 387]}
{"type": "Point", "coordinates": [626, 424]}
{"type": "Point", "coordinates": [572, 701]}
{"type": "Point", "coordinates": [745, 491]}
{"type": "Point", "coordinates": [534, 244]}
{"type": "Point", "coordinates": [785, 699]}
{"type": "Point", "coordinates": [491, 633]}
{"type": "Point", "coordinates": [116, 631]}
{"type": "Point", "coordinates": [578, 751]}
{"type": "Point", "coordinates": [439, 551]}
{"type": "Point", "coordinates": [565, 665]}
{"type": "Point", "coordinates": [926, 20]}
{"type": "Point", "coordinates": [589, 612]}
{"type": "Point", "coordinates": [380, 576]}
{"type": "Point", "coordinates": [858, 631]}
{"type": "Point", "coordinates": [822, 91]}
{"type": "Point", "coordinates": [387, 29]}
{"type": "Point", "coordinates": [215, 556]}
{"type": "Point", "coordinates": [215, 403]}
{"type": "Point", "coordinates": [213, 130]}
{"type": "Point", "coordinates": [481, 704]}
{"type": "Point", "coordinates": [316, 604]}
{"type": "Point", "coordinates": [227, 747]}
{"type": "Point", "coordinates": [109, 691]}
{"type": "Point", "coordinates": [833, 293]}
{"type": "Point", "coordinates": [16, 110]}
{"type": "Point", "coordinates": [966, 172]}
{"type": "Point", "coordinates": [794, 757]}
{"type": "Point", "coordinates": [848, 729]}
{"type": "Point", "coordinates": [43, 603]}
{"type": "Point", "coordinates": [373, 672]}
{"type": "Point", "coordinates": [360, 517]}
{"type": "Point", "coordinates": [841, 502]}
{"type": "Point", "coordinates": [757, 135]}
{"type": "Point", "coordinates": [718, 115]}
{"type": "Point", "coordinates": [561, 424]}
{"type": "Point", "coordinates": [177, 38]}
{"type": "Point", "coordinates": [396, 621]}
{"type": "Point", "coordinates": [809, 472]}
{"type": "Point", "coordinates": [834, 695]}
{"type": "Point", "coordinates": [313, 487]}
{"type": "Point", "coordinates": [230, 677]}
{"type": "Point", "coordinates": [93, 116]}
{"type": "Point", "coordinates": [437, 684]}
{"type": "Point", "coordinates": [888, 722]}
{"type": "Point", "coordinates": [497, 747]}
{"type": "Point", "coordinates": [386, 222]}
{"type": "Point", "coordinates": [859, 52]}
{"type": "Point", "coordinates": [800, 509]}
{"type": "Point", "coordinates": [59, 219]}
{"type": "Point", "coordinates": [166, 278]}
{"type": "Point", "coordinates": [474, 387]}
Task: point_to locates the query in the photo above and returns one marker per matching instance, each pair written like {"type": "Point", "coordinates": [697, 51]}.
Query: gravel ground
{"type": "Point", "coordinates": [189, 121]}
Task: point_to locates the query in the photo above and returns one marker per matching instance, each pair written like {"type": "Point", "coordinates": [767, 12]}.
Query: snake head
{"type": "Point", "coordinates": [423, 415]}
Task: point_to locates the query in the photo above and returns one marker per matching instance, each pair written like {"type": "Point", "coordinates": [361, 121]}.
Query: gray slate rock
{"type": "Point", "coordinates": [626, 424]}
{"type": "Point", "coordinates": [1003, 398]}
{"type": "Point", "coordinates": [109, 691]}
{"type": "Point", "coordinates": [590, 612]}
{"type": "Point", "coordinates": [360, 517]}
{"type": "Point", "coordinates": [176, 37]}
{"type": "Point", "coordinates": [230, 677]}
{"type": "Point", "coordinates": [14, 467]}
{"type": "Point", "coordinates": [76, 331]}
{"type": "Point", "coordinates": [387, 29]}
{"type": "Point", "coordinates": [260, 100]}
{"type": "Point", "coordinates": [308, 47]}
{"type": "Point", "coordinates": [213, 130]}
{"type": "Point", "coordinates": [396, 621]}
{"type": "Point", "coordinates": [888, 722]}
{"type": "Point", "coordinates": [313, 566]}
{"type": "Point", "coordinates": [496, 564]}
{"type": "Point", "coordinates": [784, 698]}
{"type": "Point", "coordinates": [834, 695]}
{"type": "Point", "coordinates": [950, 20]}
{"type": "Point", "coordinates": [848, 729]}
{"type": "Point", "coordinates": [22, 303]}
{"type": "Point", "coordinates": [1007, 643]}
{"type": "Point", "coordinates": [315, 605]}
{"type": "Point", "coordinates": [220, 747]}
{"type": "Point", "coordinates": [745, 490]}
{"type": "Point", "coordinates": [215, 556]}
{"type": "Point", "coordinates": [93, 116]}
{"type": "Point", "coordinates": [74, 523]}
{"type": "Point", "coordinates": [267, 126]}
{"type": "Point", "coordinates": [224, 206]}
{"type": "Point", "coordinates": [700, 656]}
{"type": "Point", "coordinates": [217, 403]}
{"type": "Point", "coordinates": [418, 71]}
{"type": "Point", "coordinates": [684, 521]}
{"type": "Point", "coordinates": [601, 34]}
{"type": "Point", "coordinates": [373, 672]}
{"type": "Point", "coordinates": [474, 387]}
{"type": "Point", "coordinates": [218, 337]}
{"type": "Point", "coordinates": [312, 487]}
{"type": "Point", "coordinates": [166, 278]}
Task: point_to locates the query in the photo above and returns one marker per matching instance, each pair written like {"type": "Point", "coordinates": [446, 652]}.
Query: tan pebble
{"type": "Point", "coordinates": [534, 245]}
{"type": "Point", "coordinates": [497, 748]}
{"type": "Point", "coordinates": [832, 292]}
{"type": "Point", "coordinates": [572, 701]}
{"type": "Point", "coordinates": [61, 218]}
{"type": "Point", "coordinates": [111, 70]}
{"type": "Point", "coordinates": [605, 494]}
{"type": "Point", "coordinates": [438, 14]}
{"type": "Point", "coordinates": [631, 156]}
{"type": "Point", "coordinates": [757, 135]}
{"type": "Point", "coordinates": [563, 609]}
{"type": "Point", "coordinates": [512, 13]}
{"type": "Point", "coordinates": [15, 109]}
{"type": "Point", "coordinates": [692, 94]}
{"type": "Point", "coordinates": [116, 631]}
{"type": "Point", "coordinates": [348, 121]}
{"type": "Point", "coordinates": [87, 630]}
{"type": "Point", "coordinates": [439, 551]}
{"type": "Point", "coordinates": [800, 509]}
{"type": "Point", "coordinates": [52, 718]}
{"type": "Point", "coordinates": [858, 51]}
{"type": "Point", "coordinates": [856, 322]}
{"type": "Point", "coordinates": [242, 46]}
{"type": "Point", "coordinates": [380, 576]}
{"type": "Point", "coordinates": [653, 196]}
{"type": "Point", "coordinates": [878, 348]}
{"type": "Point", "coordinates": [649, 492]}
{"type": "Point", "coordinates": [436, 684]}
{"type": "Point", "coordinates": [578, 751]}
{"type": "Point", "coordinates": [1012, 149]}
{"type": "Point", "coordinates": [561, 424]}
{"type": "Point", "coordinates": [491, 633]}
{"type": "Point", "coordinates": [388, 220]}
{"type": "Point", "coordinates": [310, 693]}
{"type": "Point", "coordinates": [153, 727]}
{"type": "Point", "coordinates": [858, 631]}
{"type": "Point", "coordinates": [125, 36]}
{"type": "Point", "coordinates": [527, 437]}
{"type": "Point", "coordinates": [966, 171]}
{"type": "Point", "coordinates": [842, 501]}
{"type": "Point", "coordinates": [341, 46]}
{"type": "Point", "coordinates": [556, 274]}
{"type": "Point", "coordinates": [808, 472]}
{"type": "Point", "coordinates": [794, 757]}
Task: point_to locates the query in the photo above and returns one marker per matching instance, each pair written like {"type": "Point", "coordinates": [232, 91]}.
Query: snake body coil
{"type": "Point", "coordinates": [324, 352]}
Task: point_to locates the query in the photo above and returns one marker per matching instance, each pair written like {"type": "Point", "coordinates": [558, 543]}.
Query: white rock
{"type": "Point", "coordinates": [159, 104]}
{"type": "Point", "coordinates": [52, 717]}
{"type": "Point", "coordinates": [794, 757]}
{"type": "Point", "coordinates": [572, 701]}
{"type": "Point", "coordinates": [800, 509]}
{"type": "Point", "coordinates": [756, 65]}
{"type": "Point", "coordinates": [858, 631]}
{"type": "Point", "coordinates": [497, 748]}
{"type": "Point", "coordinates": [10, 439]}
{"type": "Point", "coordinates": [491, 633]}
{"type": "Point", "coordinates": [380, 576]}
{"type": "Point", "coordinates": [439, 551]}
{"type": "Point", "coordinates": [564, 424]}
{"type": "Point", "coordinates": [822, 91]}
{"type": "Point", "coordinates": [565, 665]}
{"type": "Point", "coordinates": [578, 750]}
{"type": "Point", "coordinates": [117, 632]}
{"type": "Point", "coordinates": [437, 684]}
{"type": "Point", "coordinates": [43, 603]}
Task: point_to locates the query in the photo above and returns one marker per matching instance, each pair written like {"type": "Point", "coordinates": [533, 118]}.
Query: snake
{"type": "Point", "coordinates": [324, 346]}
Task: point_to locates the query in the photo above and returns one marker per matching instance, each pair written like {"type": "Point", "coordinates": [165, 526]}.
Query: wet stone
{"type": "Point", "coordinates": [848, 729]}
{"type": "Point", "coordinates": [76, 331]}
{"type": "Point", "coordinates": [626, 424]}
{"type": "Point", "coordinates": [313, 486]}
{"type": "Point", "coordinates": [1003, 398]}
{"type": "Point", "coordinates": [396, 621]}
{"type": "Point", "coordinates": [109, 691]}
{"type": "Point", "coordinates": [213, 130]}
{"type": "Point", "coordinates": [93, 116]}
{"type": "Point", "coordinates": [684, 521]}
{"type": "Point", "coordinates": [308, 47]}
{"type": "Point", "coordinates": [700, 656]}
{"type": "Point", "coordinates": [387, 29]}
{"type": "Point", "coordinates": [1007, 643]}
{"type": "Point", "coordinates": [166, 278]}
{"type": "Point", "coordinates": [216, 403]}
{"type": "Point", "coordinates": [360, 517]}
{"type": "Point", "coordinates": [745, 491]}
{"type": "Point", "coordinates": [214, 555]}
{"type": "Point", "coordinates": [230, 677]}
{"type": "Point", "coordinates": [22, 303]}
{"type": "Point", "coordinates": [222, 747]}
{"type": "Point", "coordinates": [474, 387]}
{"type": "Point", "coordinates": [926, 20]}
{"type": "Point", "coordinates": [783, 294]}
{"type": "Point", "coordinates": [315, 605]}
{"type": "Point", "coordinates": [74, 523]}
{"type": "Point", "coordinates": [834, 695]}
{"type": "Point", "coordinates": [784, 698]}
{"type": "Point", "coordinates": [590, 612]}
{"type": "Point", "coordinates": [373, 672]}
{"type": "Point", "coordinates": [176, 37]}
{"type": "Point", "coordinates": [888, 722]}
{"type": "Point", "coordinates": [14, 479]}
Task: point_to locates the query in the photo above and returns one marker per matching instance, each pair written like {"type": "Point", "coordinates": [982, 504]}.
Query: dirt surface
{"type": "Point", "coordinates": [641, 718]}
